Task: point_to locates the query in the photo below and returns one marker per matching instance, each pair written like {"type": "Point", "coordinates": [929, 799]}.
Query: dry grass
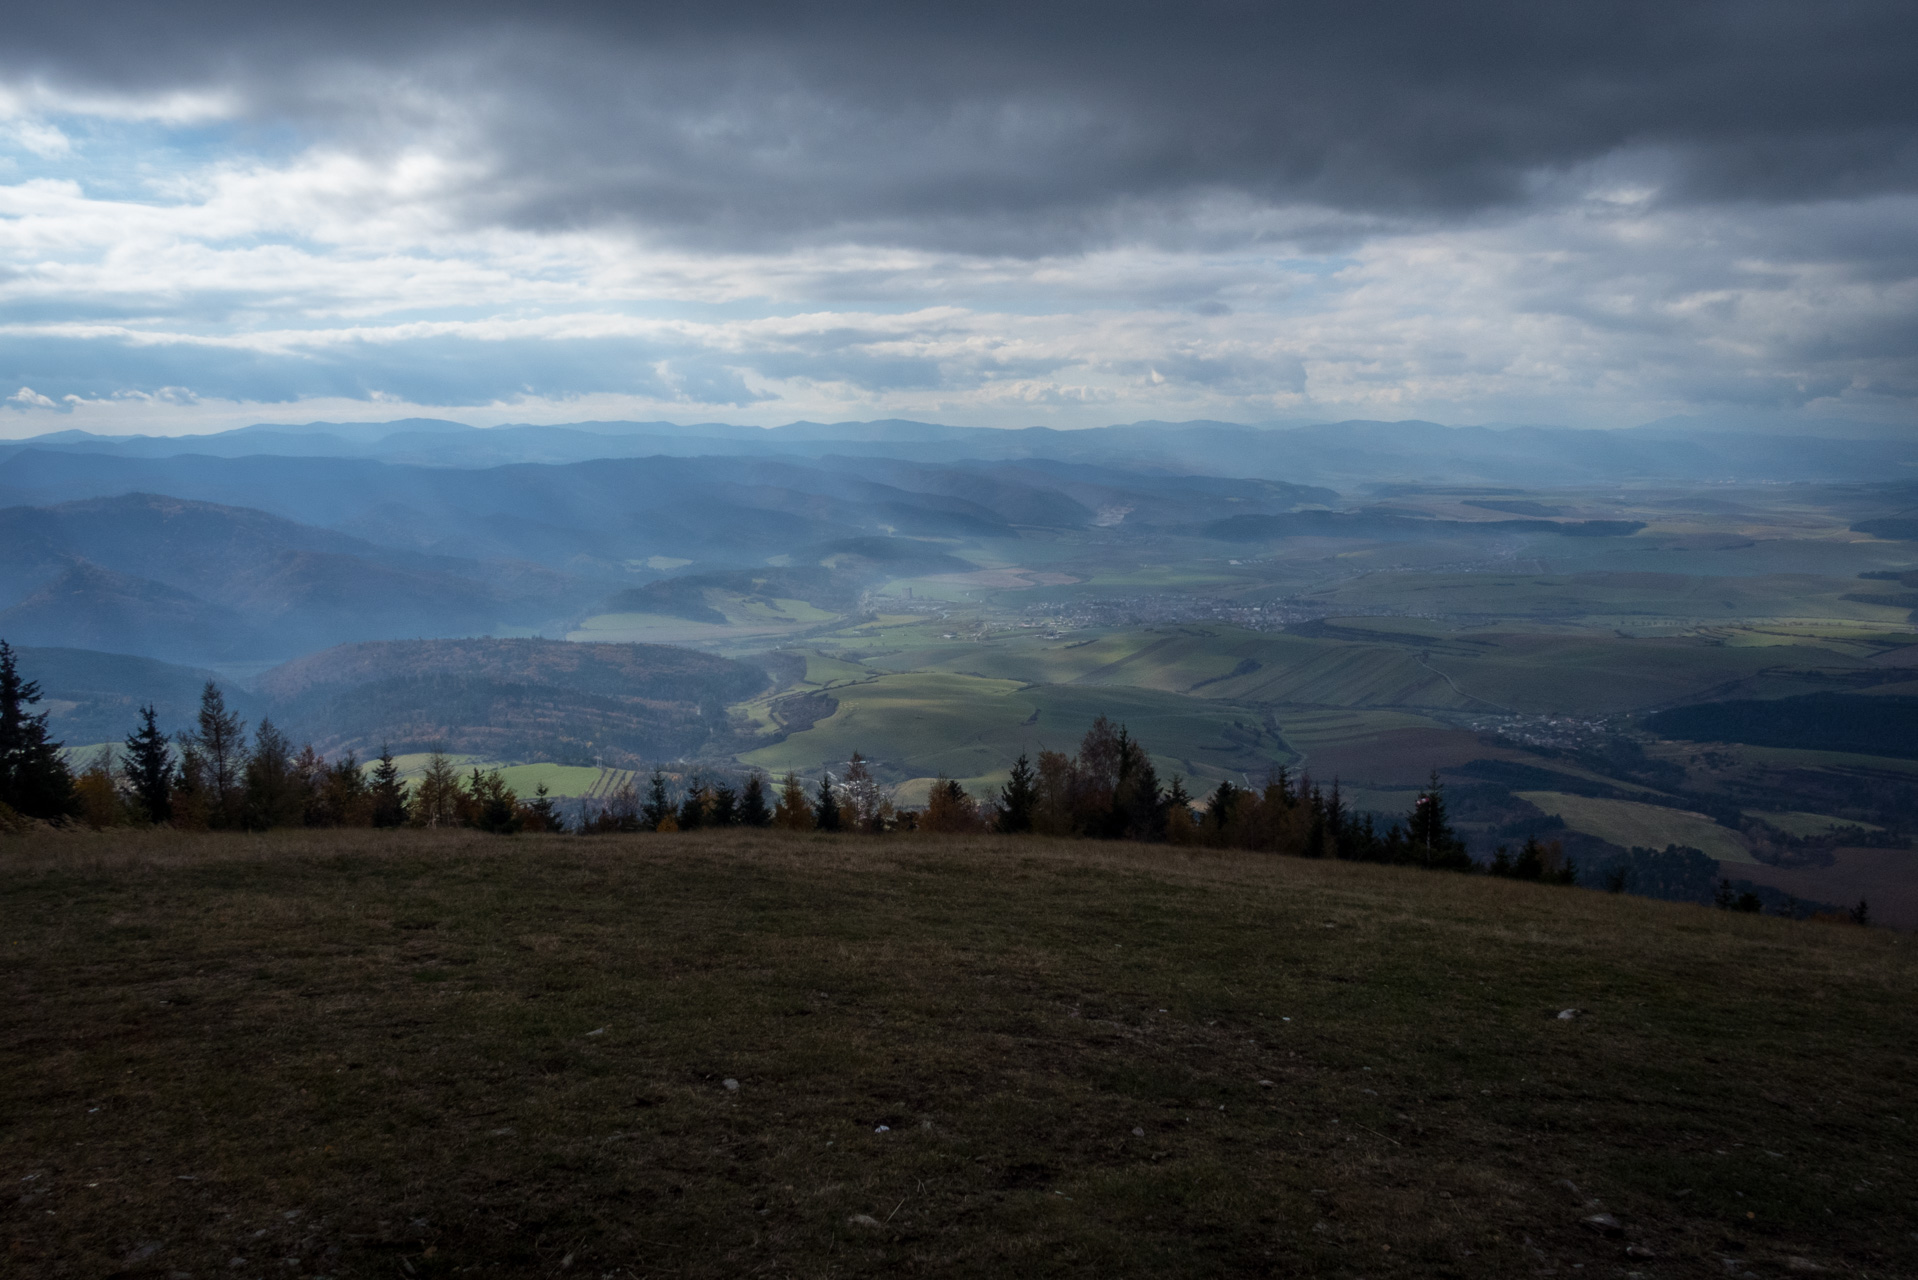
{"type": "Point", "coordinates": [425, 1054]}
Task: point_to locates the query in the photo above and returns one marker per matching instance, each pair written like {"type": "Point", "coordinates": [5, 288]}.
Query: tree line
{"type": "Point", "coordinates": [213, 777]}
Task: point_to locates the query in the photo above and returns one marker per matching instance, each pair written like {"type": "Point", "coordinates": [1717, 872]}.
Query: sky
{"type": "Point", "coordinates": [1067, 214]}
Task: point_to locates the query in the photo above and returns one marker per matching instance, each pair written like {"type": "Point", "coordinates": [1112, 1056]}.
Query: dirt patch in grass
{"type": "Point", "coordinates": [427, 1054]}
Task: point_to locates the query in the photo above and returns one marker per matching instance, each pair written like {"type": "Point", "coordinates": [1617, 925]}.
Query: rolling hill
{"type": "Point", "coordinates": [197, 582]}
{"type": "Point", "coordinates": [615, 704]}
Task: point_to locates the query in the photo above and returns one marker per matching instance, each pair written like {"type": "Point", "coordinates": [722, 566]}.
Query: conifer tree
{"type": "Point", "coordinates": [1138, 804]}
{"type": "Point", "coordinates": [190, 804]}
{"type": "Point", "coordinates": [541, 813]}
{"type": "Point", "coordinates": [1017, 798]}
{"type": "Point", "coordinates": [825, 810]}
{"type": "Point", "coordinates": [1219, 809]}
{"type": "Point", "coordinates": [752, 804]}
{"type": "Point", "coordinates": [658, 806]}
{"type": "Point", "coordinates": [695, 805]}
{"type": "Point", "coordinates": [1429, 835]}
{"type": "Point", "coordinates": [220, 743]}
{"type": "Point", "coordinates": [345, 798]}
{"type": "Point", "coordinates": [34, 778]}
{"type": "Point", "coordinates": [311, 775]}
{"type": "Point", "coordinates": [493, 808]}
{"type": "Point", "coordinates": [272, 794]}
{"type": "Point", "coordinates": [725, 810]}
{"type": "Point", "coordinates": [949, 808]}
{"type": "Point", "coordinates": [1337, 824]}
{"type": "Point", "coordinates": [1179, 827]}
{"type": "Point", "coordinates": [389, 793]}
{"type": "Point", "coordinates": [149, 768]}
{"type": "Point", "coordinates": [793, 813]}
{"type": "Point", "coordinates": [439, 799]}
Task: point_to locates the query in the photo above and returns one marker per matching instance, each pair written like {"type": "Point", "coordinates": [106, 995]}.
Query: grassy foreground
{"type": "Point", "coordinates": [433, 1054]}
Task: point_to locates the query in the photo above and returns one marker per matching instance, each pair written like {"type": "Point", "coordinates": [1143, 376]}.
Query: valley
{"type": "Point", "coordinates": [1725, 666]}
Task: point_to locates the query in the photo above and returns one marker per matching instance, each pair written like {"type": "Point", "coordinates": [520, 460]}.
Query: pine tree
{"type": "Point", "coordinates": [725, 811]}
{"type": "Point", "coordinates": [494, 807]}
{"type": "Point", "coordinates": [1017, 798]}
{"type": "Point", "coordinates": [1219, 809]}
{"type": "Point", "coordinates": [1138, 804]}
{"type": "Point", "coordinates": [346, 800]}
{"type": "Point", "coordinates": [825, 810]}
{"type": "Point", "coordinates": [220, 741]}
{"type": "Point", "coordinates": [866, 802]}
{"type": "Point", "coordinates": [1429, 835]}
{"type": "Point", "coordinates": [695, 805]}
{"type": "Point", "coordinates": [149, 767]}
{"type": "Point", "coordinates": [34, 778]}
{"type": "Point", "coordinates": [1339, 827]}
{"type": "Point", "coordinates": [389, 793]}
{"type": "Point", "coordinates": [658, 806]}
{"type": "Point", "coordinates": [752, 804]}
{"type": "Point", "coordinates": [541, 813]}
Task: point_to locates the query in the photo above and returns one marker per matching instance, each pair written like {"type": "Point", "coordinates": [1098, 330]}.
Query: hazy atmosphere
{"type": "Point", "coordinates": [217, 213]}
{"type": "Point", "coordinates": [845, 639]}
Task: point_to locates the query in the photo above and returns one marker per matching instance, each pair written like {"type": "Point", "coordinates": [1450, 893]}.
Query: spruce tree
{"type": "Point", "coordinates": [825, 810]}
{"type": "Point", "coordinates": [34, 778]}
{"type": "Point", "coordinates": [1218, 810]}
{"type": "Point", "coordinates": [1138, 803]}
{"type": "Point", "coordinates": [752, 804]}
{"type": "Point", "coordinates": [1429, 833]}
{"type": "Point", "coordinates": [272, 792]}
{"type": "Point", "coordinates": [389, 793]}
{"type": "Point", "coordinates": [494, 807]}
{"type": "Point", "coordinates": [1016, 799]}
{"type": "Point", "coordinates": [692, 806]}
{"type": "Point", "coordinates": [725, 811]}
{"type": "Point", "coordinates": [542, 814]}
{"type": "Point", "coordinates": [658, 806]}
{"type": "Point", "coordinates": [1178, 810]}
{"type": "Point", "coordinates": [220, 743]}
{"type": "Point", "coordinates": [149, 767]}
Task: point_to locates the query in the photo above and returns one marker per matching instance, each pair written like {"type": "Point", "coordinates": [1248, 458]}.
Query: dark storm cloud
{"type": "Point", "coordinates": [1036, 127]}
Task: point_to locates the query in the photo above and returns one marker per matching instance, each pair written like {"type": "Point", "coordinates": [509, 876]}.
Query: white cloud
{"type": "Point", "coordinates": [1601, 311]}
{"type": "Point", "coordinates": [28, 398]}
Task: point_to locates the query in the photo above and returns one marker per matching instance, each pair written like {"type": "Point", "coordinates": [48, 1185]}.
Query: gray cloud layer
{"type": "Point", "coordinates": [1045, 127]}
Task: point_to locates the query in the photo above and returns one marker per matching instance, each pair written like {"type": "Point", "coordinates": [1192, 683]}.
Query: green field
{"type": "Point", "coordinates": [1628, 824]}
{"type": "Point", "coordinates": [919, 724]}
{"type": "Point", "coordinates": [435, 1054]}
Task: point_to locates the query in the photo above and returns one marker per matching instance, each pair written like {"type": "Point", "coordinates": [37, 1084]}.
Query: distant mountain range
{"type": "Point", "coordinates": [256, 545]}
{"type": "Point", "coordinates": [1341, 454]}
{"type": "Point", "coordinates": [191, 581]}
{"type": "Point", "coordinates": [601, 517]}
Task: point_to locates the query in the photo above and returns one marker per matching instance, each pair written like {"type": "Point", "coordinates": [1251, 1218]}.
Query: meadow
{"type": "Point", "coordinates": [439, 1053]}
